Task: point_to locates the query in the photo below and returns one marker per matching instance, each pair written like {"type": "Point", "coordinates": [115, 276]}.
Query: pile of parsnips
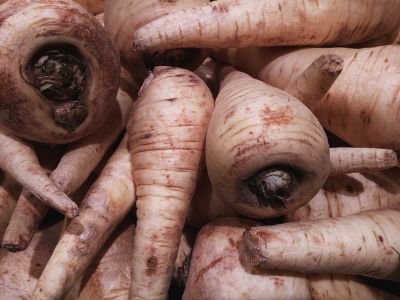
{"type": "Point", "coordinates": [130, 155]}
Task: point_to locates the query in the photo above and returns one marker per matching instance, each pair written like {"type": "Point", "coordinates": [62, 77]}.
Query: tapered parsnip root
{"type": "Point", "coordinates": [59, 72]}
{"type": "Point", "coordinates": [108, 201]}
{"type": "Point", "coordinates": [123, 17]}
{"type": "Point", "coordinates": [266, 153]}
{"type": "Point", "coordinates": [19, 160]}
{"type": "Point", "coordinates": [94, 6]}
{"type": "Point", "coordinates": [217, 273]}
{"type": "Point", "coordinates": [20, 271]}
{"type": "Point", "coordinates": [365, 243]}
{"type": "Point", "coordinates": [167, 130]}
{"type": "Point", "coordinates": [352, 193]}
{"type": "Point", "coordinates": [109, 275]}
{"type": "Point", "coordinates": [244, 23]}
{"type": "Point", "coordinates": [350, 160]}
{"type": "Point", "coordinates": [9, 193]}
{"type": "Point", "coordinates": [350, 108]}
{"type": "Point", "coordinates": [79, 160]}
{"type": "Point", "coordinates": [312, 85]}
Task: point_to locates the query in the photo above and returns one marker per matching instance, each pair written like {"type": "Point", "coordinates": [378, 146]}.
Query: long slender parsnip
{"type": "Point", "coordinates": [167, 132]}
{"type": "Point", "coordinates": [366, 243]}
{"type": "Point", "coordinates": [245, 23]}
{"type": "Point", "coordinates": [107, 202]}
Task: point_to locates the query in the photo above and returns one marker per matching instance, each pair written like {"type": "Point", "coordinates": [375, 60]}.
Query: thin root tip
{"type": "Point", "coordinates": [333, 64]}
{"type": "Point", "coordinates": [72, 212]}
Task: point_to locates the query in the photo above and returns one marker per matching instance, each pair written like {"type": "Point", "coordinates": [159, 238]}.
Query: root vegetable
{"type": "Point", "coordinates": [365, 243]}
{"type": "Point", "coordinates": [167, 131]}
{"type": "Point", "coordinates": [352, 193]}
{"type": "Point", "coordinates": [60, 71]}
{"type": "Point", "coordinates": [79, 160]}
{"type": "Point", "coordinates": [217, 273]}
{"type": "Point", "coordinates": [19, 160]}
{"type": "Point", "coordinates": [19, 272]}
{"type": "Point", "coordinates": [108, 201]}
{"type": "Point", "coordinates": [266, 153]}
{"type": "Point", "coordinates": [208, 71]}
{"type": "Point", "coordinates": [350, 160]}
{"type": "Point", "coordinates": [244, 23]}
{"type": "Point", "coordinates": [123, 17]}
{"type": "Point", "coordinates": [9, 192]}
{"type": "Point", "coordinates": [361, 109]}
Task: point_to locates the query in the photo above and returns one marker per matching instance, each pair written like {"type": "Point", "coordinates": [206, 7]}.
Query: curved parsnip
{"type": "Point", "coordinates": [60, 71]}
{"type": "Point", "coordinates": [107, 202]}
{"type": "Point", "coordinates": [366, 243]}
{"type": "Point", "coordinates": [217, 273]}
{"type": "Point", "coordinates": [362, 105]}
{"type": "Point", "coordinates": [244, 23]}
{"type": "Point", "coordinates": [123, 17]}
{"type": "Point", "coordinates": [166, 131]}
{"type": "Point", "coordinates": [266, 153]}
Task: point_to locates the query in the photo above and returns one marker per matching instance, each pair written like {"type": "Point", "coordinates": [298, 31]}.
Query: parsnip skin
{"type": "Point", "coordinates": [245, 23]}
{"type": "Point", "coordinates": [123, 17]}
{"type": "Point", "coordinates": [351, 160]}
{"type": "Point", "coordinates": [109, 275]}
{"type": "Point", "coordinates": [266, 153]}
{"type": "Point", "coordinates": [365, 243]}
{"type": "Point", "coordinates": [217, 273]}
{"type": "Point", "coordinates": [19, 272]}
{"type": "Point", "coordinates": [108, 201]}
{"type": "Point", "coordinates": [60, 71]}
{"type": "Point", "coordinates": [167, 131]}
{"type": "Point", "coordinates": [349, 110]}
{"type": "Point", "coordinates": [349, 194]}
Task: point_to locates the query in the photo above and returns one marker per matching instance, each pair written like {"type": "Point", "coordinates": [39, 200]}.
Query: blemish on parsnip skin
{"type": "Point", "coordinates": [151, 266]}
{"type": "Point", "coordinates": [207, 268]}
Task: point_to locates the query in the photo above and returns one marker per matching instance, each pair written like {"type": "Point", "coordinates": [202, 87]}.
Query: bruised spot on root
{"type": "Point", "coordinates": [232, 242]}
{"type": "Point", "coordinates": [207, 268]}
{"type": "Point", "coordinates": [220, 8]}
{"type": "Point", "coordinates": [151, 265]}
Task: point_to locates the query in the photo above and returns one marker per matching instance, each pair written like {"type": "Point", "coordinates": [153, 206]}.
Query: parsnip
{"type": "Point", "coordinates": [266, 153]}
{"type": "Point", "coordinates": [217, 273]}
{"type": "Point", "coordinates": [9, 192]}
{"type": "Point", "coordinates": [365, 243]}
{"type": "Point", "coordinates": [108, 201]}
{"type": "Point", "coordinates": [244, 23]}
{"type": "Point", "coordinates": [59, 71]}
{"type": "Point", "coordinates": [167, 131]}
